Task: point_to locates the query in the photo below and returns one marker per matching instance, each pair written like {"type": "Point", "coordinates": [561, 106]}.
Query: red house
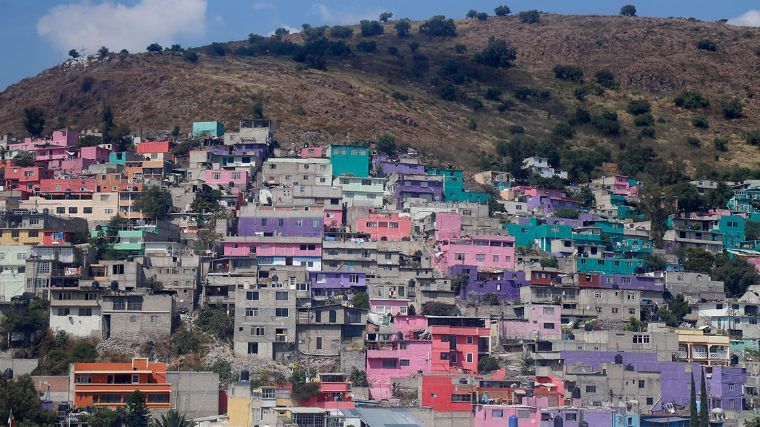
{"type": "Point", "coordinates": [589, 280]}
{"type": "Point", "coordinates": [26, 178]}
{"type": "Point", "coordinates": [442, 394]}
{"type": "Point", "coordinates": [154, 147]}
{"type": "Point", "coordinates": [334, 392]}
{"type": "Point", "coordinates": [548, 278]}
{"type": "Point", "coordinates": [455, 349]}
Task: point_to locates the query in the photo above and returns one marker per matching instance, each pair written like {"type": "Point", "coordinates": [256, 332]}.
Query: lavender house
{"type": "Point", "coordinates": [286, 223]}
{"type": "Point", "coordinates": [549, 204]}
{"type": "Point", "coordinates": [724, 384]}
{"type": "Point", "coordinates": [504, 284]}
{"type": "Point", "coordinates": [384, 166]}
{"type": "Point", "coordinates": [326, 284]}
{"type": "Point", "coordinates": [425, 187]}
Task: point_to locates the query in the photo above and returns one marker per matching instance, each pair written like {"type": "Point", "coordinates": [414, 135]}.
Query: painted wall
{"type": "Point", "coordinates": [390, 226]}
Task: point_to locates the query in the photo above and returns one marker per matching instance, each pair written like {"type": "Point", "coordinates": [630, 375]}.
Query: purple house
{"type": "Point", "coordinates": [325, 284]}
{"type": "Point", "coordinates": [426, 187]}
{"type": "Point", "coordinates": [385, 166]}
{"type": "Point", "coordinates": [550, 204]}
{"type": "Point", "coordinates": [504, 284]}
{"type": "Point", "coordinates": [724, 386]}
{"type": "Point", "coordinates": [630, 282]}
{"type": "Point", "coordinates": [286, 223]}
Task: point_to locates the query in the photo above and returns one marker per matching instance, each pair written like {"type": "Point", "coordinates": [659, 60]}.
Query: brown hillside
{"type": "Point", "coordinates": [353, 99]}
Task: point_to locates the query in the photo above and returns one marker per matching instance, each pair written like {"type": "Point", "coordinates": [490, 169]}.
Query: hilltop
{"type": "Point", "coordinates": [363, 95]}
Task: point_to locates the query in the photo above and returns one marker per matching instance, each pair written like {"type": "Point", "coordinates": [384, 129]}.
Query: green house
{"type": "Point", "coordinates": [633, 246]}
{"type": "Point", "coordinates": [524, 234]}
{"type": "Point", "coordinates": [453, 186]}
{"type": "Point", "coordinates": [732, 228]}
{"type": "Point", "coordinates": [349, 160]}
{"type": "Point", "coordinates": [608, 266]}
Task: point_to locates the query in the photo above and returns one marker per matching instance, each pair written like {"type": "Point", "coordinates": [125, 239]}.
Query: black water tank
{"type": "Point", "coordinates": [587, 327]}
{"type": "Point", "coordinates": [629, 367]}
{"type": "Point", "coordinates": [576, 393]}
{"type": "Point", "coordinates": [245, 375]}
{"type": "Point", "coordinates": [558, 421]}
{"type": "Point", "coordinates": [618, 359]}
{"type": "Point", "coordinates": [9, 373]}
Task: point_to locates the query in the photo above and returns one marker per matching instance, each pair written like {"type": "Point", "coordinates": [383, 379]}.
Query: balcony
{"type": "Point", "coordinates": [388, 353]}
{"type": "Point", "coordinates": [718, 353]}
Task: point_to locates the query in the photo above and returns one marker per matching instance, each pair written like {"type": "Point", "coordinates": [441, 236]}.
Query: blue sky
{"type": "Point", "coordinates": [36, 34]}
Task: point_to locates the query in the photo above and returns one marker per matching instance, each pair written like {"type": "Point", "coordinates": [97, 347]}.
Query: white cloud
{"type": "Point", "coordinates": [332, 17]}
{"type": "Point", "coordinates": [86, 25]}
{"type": "Point", "coordinates": [750, 18]}
{"type": "Point", "coordinates": [262, 6]}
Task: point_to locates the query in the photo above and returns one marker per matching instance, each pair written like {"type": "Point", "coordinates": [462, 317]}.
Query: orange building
{"type": "Point", "coordinates": [110, 384]}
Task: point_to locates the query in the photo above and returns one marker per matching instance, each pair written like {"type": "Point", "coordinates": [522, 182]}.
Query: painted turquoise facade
{"type": "Point", "coordinates": [349, 160]}
{"type": "Point", "coordinates": [608, 266]}
{"type": "Point", "coordinates": [212, 129]}
{"type": "Point", "coordinates": [634, 246]}
{"type": "Point", "coordinates": [732, 228]}
{"type": "Point", "coordinates": [524, 234]}
{"type": "Point", "coordinates": [453, 187]}
{"type": "Point", "coordinates": [742, 201]}
{"type": "Point", "coordinates": [118, 158]}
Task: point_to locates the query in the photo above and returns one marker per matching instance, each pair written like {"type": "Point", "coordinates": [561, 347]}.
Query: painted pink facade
{"type": "Point", "coordinates": [70, 166]}
{"type": "Point", "coordinates": [498, 416]}
{"type": "Point", "coordinates": [407, 324]}
{"type": "Point", "coordinates": [98, 154]}
{"type": "Point", "coordinates": [393, 307]}
{"type": "Point", "coordinates": [62, 138]}
{"type": "Point", "coordinates": [487, 252]}
{"type": "Point", "coordinates": [312, 152]}
{"type": "Point", "coordinates": [44, 153]}
{"type": "Point", "coordinates": [386, 363]}
{"type": "Point", "coordinates": [448, 225]}
{"type": "Point", "coordinates": [225, 177]}
{"type": "Point", "coordinates": [385, 226]}
{"type": "Point", "coordinates": [333, 217]}
{"type": "Point", "coordinates": [154, 147]}
{"type": "Point", "coordinates": [623, 186]}
{"type": "Point", "coordinates": [535, 192]}
{"type": "Point", "coordinates": [541, 322]}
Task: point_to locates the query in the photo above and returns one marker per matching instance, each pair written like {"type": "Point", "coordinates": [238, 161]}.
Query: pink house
{"type": "Point", "coordinates": [277, 250]}
{"type": "Point", "coordinates": [535, 192]}
{"type": "Point", "coordinates": [407, 324]}
{"type": "Point", "coordinates": [223, 178]}
{"type": "Point", "coordinates": [487, 252]}
{"type": "Point", "coordinates": [498, 415]}
{"type": "Point", "coordinates": [448, 225]}
{"type": "Point", "coordinates": [539, 322]}
{"type": "Point", "coordinates": [97, 154]}
{"type": "Point", "coordinates": [397, 360]}
{"type": "Point", "coordinates": [312, 152]}
{"type": "Point", "coordinates": [70, 166]}
{"type": "Point", "coordinates": [61, 138]}
{"type": "Point", "coordinates": [392, 306]}
{"type": "Point", "coordinates": [623, 186]}
{"type": "Point", "coordinates": [385, 226]}
{"type": "Point", "coordinates": [333, 216]}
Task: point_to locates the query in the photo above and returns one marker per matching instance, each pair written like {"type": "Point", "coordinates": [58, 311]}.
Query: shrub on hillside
{"type": "Point", "coordinates": [493, 93]}
{"type": "Point", "coordinates": [371, 28]}
{"type": "Point", "coordinates": [341, 32]}
{"type": "Point", "coordinates": [628, 10]}
{"type": "Point", "coordinates": [571, 73]}
{"type": "Point", "coordinates": [368, 46]}
{"type": "Point", "coordinates": [707, 44]}
{"type": "Point", "coordinates": [700, 122]}
{"type": "Point", "coordinates": [497, 53]}
{"type": "Point", "coordinates": [402, 28]}
{"type": "Point", "coordinates": [439, 26]}
{"type": "Point", "coordinates": [693, 142]}
{"type": "Point", "coordinates": [502, 10]}
{"type": "Point", "coordinates": [607, 122]}
{"type": "Point", "coordinates": [530, 16]}
{"type": "Point", "coordinates": [690, 99]}
{"type": "Point", "coordinates": [563, 130]}
{"type": "Point", "coordinates": [731, 109]}
{"type": "Point", "coordinates": [639, 106]}
{"type": "Point", "coordinates": [753, 137]}
{"type": "Point", "coordinates": [516, 129]}
{"type": "Point", "coordinates": [643, 120]}
{"type": "Point", "coordinates": [647, 132]}
{"type": "Point", "coordinates": [721, 144]}
{"type": "Point", "coordinates": [606, 78]}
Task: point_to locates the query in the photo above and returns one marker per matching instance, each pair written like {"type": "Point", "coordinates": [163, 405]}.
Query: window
{"type": "Point", "coordinates": [60, 210]}
{"type": "Point", "coordinates": [459, 257]}
{"type": "Point", "coordinates": [469, 340]}
{"type": "Point", "coordinates": [135, 379]}
{"type": "Point", "coordinates": [444, 356]}
{"type": "Point", "coordinates": [253, 348]}
{"type": "Point", "coordinates": [598, 295]}
{"type": "Point", "coordinates": [333, 316]}
{"type": "Point", "coordinates": [571, 416]}
{"type": "Point", "coordinates": [251, 312]}
{"type": "Point", "coordinates": [84, 379]}
{"type": "Point", "coordinates": [461, 397]}
{"type": "Point", "coordinates": [615, 310]}
{"type": "Point", "coordinates": [731, 387]}
{"type": "Point", "coordinates": [631, 311]}
{"type": "Point", "coordinates": [319, 343]}
{"type": "Point", "coordinates": [480, 257]}
{"type": "Point", "coordinates": [87, 210]}
{"type": "Point", "coordinates": [43, 268]}
{"type": "Point", "coordinates": [63, 311]}
{"type": "Point", "coordinates": [117, 269]}
{"type": "Point", "coordinates": [85, 311]}
{"type": "Point", "coordinates": [33, 233]}
{"type": "Point", "coordinates": [318, 316]}
{"type": "Point", "coordinates": [650, 400]}
{"type": "Point", "coordinates": [548, 325]}
{"type": "Point", "coordinates": [497, 413]}
{"type": "Point", "coordinates": [469, 358]}
{"type": "Point", "coordinates": [641, 339]}
{"type": "Point", "coordinates": [389, 363]}
{"type": "Point", "coordinates": [73, 210]}
{"type": "Point", "coordinates": [590, 389]}
{"type": "Point", "coordinates": [281, 296]}
{"type": "Point", "coordinates": [642, 383]}
{"type": "Point", "coordinates": [281, 312]}
{"type": "Point", "coordinates": [252, 296]}
{"type": "Point", "coordinates": [257, 331]}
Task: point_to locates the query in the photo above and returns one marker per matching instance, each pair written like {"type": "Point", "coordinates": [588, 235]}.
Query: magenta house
{"type": "Point", "coordinates": [486, 252]}
{"type": "Point", "coordinates": [274, 250]}
{"type": "Point", "coordinates": [538, 322]}
{"type": "Point", "coordinates": [448, 225]}
{"type": "Point", "coordinates": [97, 154]}
{"type": "Point", "coordinates": [398, 359]}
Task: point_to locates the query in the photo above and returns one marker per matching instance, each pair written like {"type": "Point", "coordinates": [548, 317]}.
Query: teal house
{"type": "Point", "coordinates": [608, 265]}
{"type": "Point", "coordinates": [732, 228]}
{"type": "Point", "coordinates": [122, 157]}
{"type": "Point", "coordinates": [212, 129]}
{"type": "Point", "coordinates": [349, 160]}
{"type": "Point", "coordinates": [453, 187]}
